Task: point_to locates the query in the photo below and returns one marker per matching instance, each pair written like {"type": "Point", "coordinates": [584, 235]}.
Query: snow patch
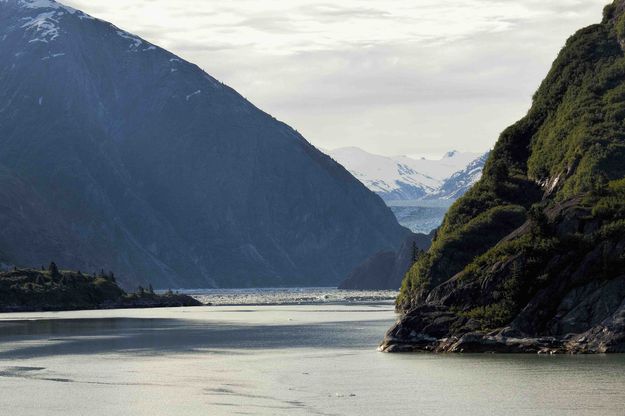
{"type": "Point", "coordinates": [135, 41]}
{"type": "Point", "coordinates": [45, 26]}
{"type": "Point", "coordinates": [39, 4]}
{"type": "Point", "coordinates": [52, 56]}
{"type": "Point", "coordinates": [51, 4]}
{"type": "Point", "coordinates": [174, 61]}
{"type": "Point", "coordinates": [194, 94]}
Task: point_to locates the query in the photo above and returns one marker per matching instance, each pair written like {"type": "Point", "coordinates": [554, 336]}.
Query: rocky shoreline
{"type": "Point", "coordinates": [580, 309]}
{"type": "Point", "coordinates": [600, 340]}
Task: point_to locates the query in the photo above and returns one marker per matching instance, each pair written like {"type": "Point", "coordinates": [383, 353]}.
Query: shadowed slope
{"type": "Point", "coordinates": [124, 156]}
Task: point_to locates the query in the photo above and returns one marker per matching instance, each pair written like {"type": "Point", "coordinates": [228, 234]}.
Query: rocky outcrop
{"type": "Point", "coordinates": [386, 269]}
{"type": "Point", "coordinates": [576, 302]}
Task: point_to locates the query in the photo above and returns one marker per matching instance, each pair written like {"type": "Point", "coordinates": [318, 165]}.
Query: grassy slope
{"type": "Point", "coordinates": [572, 141]}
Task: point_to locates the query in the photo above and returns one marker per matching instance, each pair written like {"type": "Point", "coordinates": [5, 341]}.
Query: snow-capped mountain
{"type": "Point", "coordinates": [457, 184]}
{"type": "Point", "coordinates": [116, 154]}
{"type": "Point", "coordinates": [405, 178]}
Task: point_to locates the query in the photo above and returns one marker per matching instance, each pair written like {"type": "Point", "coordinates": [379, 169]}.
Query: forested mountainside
{"type": "Point", "coordinates": [532, 258]}
{"type": "Point", "coordinates": [116, 153]}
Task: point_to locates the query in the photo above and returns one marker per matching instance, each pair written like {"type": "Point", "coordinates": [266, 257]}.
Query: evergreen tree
{"type": "Point", "coordinates": [54, 271]}
{"type": "Point", "coordinates": [416, 252]}
{"type": "Point", "coordinates": [539, 219]}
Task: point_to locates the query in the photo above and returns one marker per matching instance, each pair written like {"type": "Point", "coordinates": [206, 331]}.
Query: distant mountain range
{"type": "Point", "coordinates": [117, 154]}
{"type": "Point", "coordinates": [457, 184]}
{"type": "Point", "coordinates": [402, 178]}
{"type": "Point", "coordinates": [418, 190]}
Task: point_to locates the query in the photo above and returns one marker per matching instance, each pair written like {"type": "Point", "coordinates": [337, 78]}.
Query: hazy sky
{"type": "Point", "coordinates": [413, 77]}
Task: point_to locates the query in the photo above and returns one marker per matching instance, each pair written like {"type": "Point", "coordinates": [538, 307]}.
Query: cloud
{"type": "Point", "coordinates": [392, 76]}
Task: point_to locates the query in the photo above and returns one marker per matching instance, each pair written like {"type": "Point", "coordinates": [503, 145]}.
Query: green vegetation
{"type": "Point", "coordinates": [609, 202]}
{"type": "Point", "coordinates": [568, 149]}
{"type": "Point", "coordinates": [452, 251]}
{"type": "Point", "coordinates": [526, 260]}
{"type": "Point", "coordinates": [54, 289]}
{"type": "Point", "coordinates": [493, 315]}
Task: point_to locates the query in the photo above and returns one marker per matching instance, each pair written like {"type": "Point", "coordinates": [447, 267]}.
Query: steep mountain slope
{"type": "Point", "coordinates": [117, 154]}
{"type": "Point", "coordinates": [532, 258]}
{"type": "Point", "coordinates": [386, 269]}
{"type": "Point", "coordinates": [405, 178]}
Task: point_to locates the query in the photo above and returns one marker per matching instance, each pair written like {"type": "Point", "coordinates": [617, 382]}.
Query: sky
{"type": "Point", "coordinates": [413, 77]}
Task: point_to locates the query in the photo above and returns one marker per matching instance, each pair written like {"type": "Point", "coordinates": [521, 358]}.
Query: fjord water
{"type": "Point", "coordinates": [307, 359]}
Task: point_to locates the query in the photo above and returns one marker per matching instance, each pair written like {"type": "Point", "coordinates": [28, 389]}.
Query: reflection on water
{"type": "Point", "coordinates": [165, 336]}
{"type": "Point", "coordinates": [275, 360]}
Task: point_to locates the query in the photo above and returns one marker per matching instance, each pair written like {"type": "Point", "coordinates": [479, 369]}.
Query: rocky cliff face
{"type": "Point", "coordinates": [117, 154]}
{"type": "Point", "coordinates": [532, 258]}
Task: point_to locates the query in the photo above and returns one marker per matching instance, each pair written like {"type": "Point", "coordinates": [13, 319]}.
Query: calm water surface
{"type": "Point", "coordinates": [317, 359]}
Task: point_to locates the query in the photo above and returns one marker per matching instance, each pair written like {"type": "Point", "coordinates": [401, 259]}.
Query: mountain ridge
{"type": "Point", "coordinates": [127, 157]}
{"type": "Point", "coordinates": [397, 178]}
